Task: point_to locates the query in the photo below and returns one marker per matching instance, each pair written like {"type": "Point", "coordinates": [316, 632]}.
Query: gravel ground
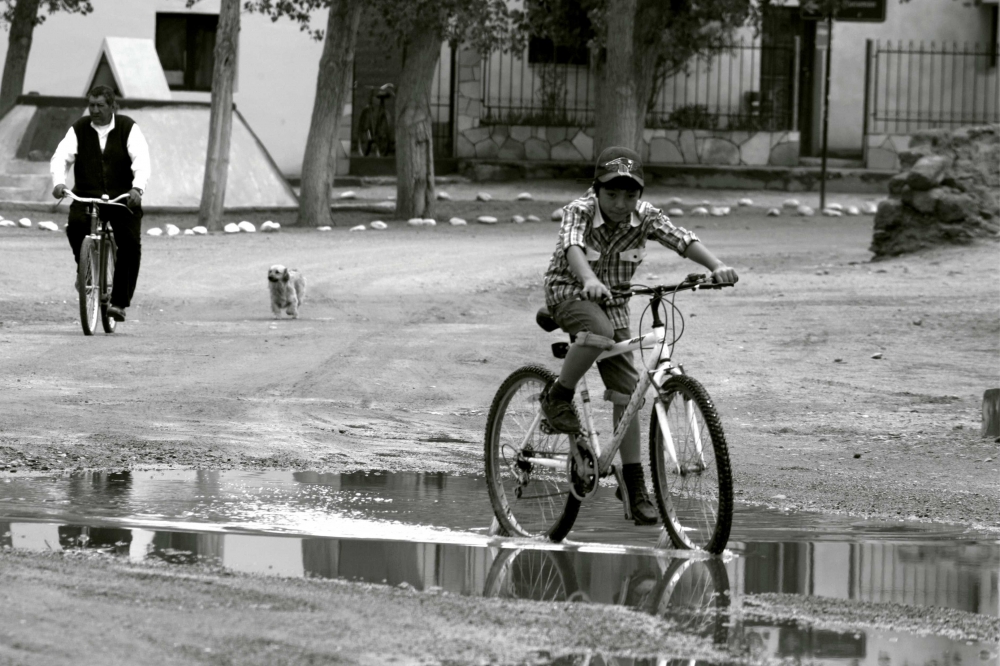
{"type": "Point", "coordinates": [845, 386]}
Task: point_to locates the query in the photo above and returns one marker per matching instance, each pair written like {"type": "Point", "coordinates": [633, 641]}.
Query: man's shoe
{"type": "Point", "coordinates": [643, 510]}
{"type": "Point", "coordinates": [116, 313]}
{"type": "Point", "coordinates": [560, 413]}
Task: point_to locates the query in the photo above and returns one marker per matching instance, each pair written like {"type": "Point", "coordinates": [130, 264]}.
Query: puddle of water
{"type": "Point", "coordinates": [427, 531]}
{"type": "Point", "coordinates": [391, 503]}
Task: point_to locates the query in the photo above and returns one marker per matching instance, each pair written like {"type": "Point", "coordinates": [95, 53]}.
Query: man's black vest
{"type": "Point", "coordinates": [98, 173]}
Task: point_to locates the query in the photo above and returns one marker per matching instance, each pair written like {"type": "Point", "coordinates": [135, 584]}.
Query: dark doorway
{"type": "Point", "coordinates": [780, 26]}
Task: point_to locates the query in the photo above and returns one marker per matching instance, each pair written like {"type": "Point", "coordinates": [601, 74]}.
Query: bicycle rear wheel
{"type": "Point", "coordinates": [88, 286]}
{"type": "Point", "coordinates": [538, 575]}
{"type": "Point", "coordinates": [690, 467]}
{"type": "Point", "coordinates": [110, 253]}
{"type": "Point", "coordinates": [366, 132]}
{"type": "Point", "coordinates": [527, 469]}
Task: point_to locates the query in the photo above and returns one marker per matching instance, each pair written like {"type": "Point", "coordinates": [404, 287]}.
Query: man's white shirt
{"type": "Point", "coordinates": [138, 150]}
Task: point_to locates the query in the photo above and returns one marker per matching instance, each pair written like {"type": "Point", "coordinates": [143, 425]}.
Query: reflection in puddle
{"type": "Point", "coordinates": [373, 527]}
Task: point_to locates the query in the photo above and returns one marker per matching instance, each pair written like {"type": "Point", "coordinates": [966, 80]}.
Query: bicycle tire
{"type": "Point", "coordinates": [695, 595]}
{"type": "Point", "coordinates": [366, 132]}
{"type": "Point", "coordinates": [110, 257]}
{"type": "Point", "coordinates": [537, 575]}
{"type": "Point", "coordinates": [88, 291]}
{"type": "Point", "coordinates": [694, 497]}
{"type": "Point", "coordinates": [383, 135]}
{"type": "Point", "coordinates": [549, 509]}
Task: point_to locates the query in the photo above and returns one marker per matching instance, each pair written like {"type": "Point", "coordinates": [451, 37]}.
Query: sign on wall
{"type": "Point", "coordinates": [870, 11]}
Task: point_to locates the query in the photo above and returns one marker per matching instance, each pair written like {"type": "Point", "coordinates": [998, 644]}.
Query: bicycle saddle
{"type": "Point", "coordinates": [545, 320]}
{"type": "Point", "coordinates": [384, 91]}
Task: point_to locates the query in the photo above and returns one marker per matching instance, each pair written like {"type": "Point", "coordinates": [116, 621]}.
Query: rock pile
{"type": "Point", "coordinates": [949, 192]}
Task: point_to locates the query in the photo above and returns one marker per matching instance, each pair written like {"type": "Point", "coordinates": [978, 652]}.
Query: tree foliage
{"type": "Point", "coordinates": [48, 7]}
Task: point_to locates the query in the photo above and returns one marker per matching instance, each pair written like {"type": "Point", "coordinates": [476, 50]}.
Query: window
{"type": "Point", "coordinates": [186, 46]}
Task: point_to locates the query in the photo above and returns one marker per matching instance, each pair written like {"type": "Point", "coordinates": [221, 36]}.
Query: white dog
{"type": "Point", "coordinates": [288, 290]}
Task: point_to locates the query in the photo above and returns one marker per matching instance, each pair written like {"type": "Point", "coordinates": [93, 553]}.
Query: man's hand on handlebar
{"type": "Point", "coordinates": [134, 198]}
{"type": "Point", "coordinates": [725, 274]}
{"type": "Point", "coordinates": [594, 290]}
{"type": "Point", "coordinates": [58, 190]}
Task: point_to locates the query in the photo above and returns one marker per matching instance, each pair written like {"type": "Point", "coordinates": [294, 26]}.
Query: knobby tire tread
{"type": "Point", "coordinates": [562, 526]}
{"type": "Point", "coordinates": [713, 424]}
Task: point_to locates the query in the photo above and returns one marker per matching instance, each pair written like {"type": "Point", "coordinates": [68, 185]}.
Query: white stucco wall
{"type": "Point", "coordinates": [275, 84]}
{"type": "Point", "coordinates": [917, 20]}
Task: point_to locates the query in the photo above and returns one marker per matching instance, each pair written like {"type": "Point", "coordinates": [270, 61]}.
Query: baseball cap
{"type": "Point", "coordinates": [617, 161]}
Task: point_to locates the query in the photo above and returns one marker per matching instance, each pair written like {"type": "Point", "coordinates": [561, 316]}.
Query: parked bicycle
{"type": "Point", "coordinates": [375, 129]}
{"type": "Point", "coordinates": [96, 270]}
{"type": "Point", "coordinates": [537, 477]}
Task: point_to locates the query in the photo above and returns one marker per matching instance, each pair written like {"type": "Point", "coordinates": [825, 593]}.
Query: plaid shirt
{"type": "Point", "coordinates": [614, 251]}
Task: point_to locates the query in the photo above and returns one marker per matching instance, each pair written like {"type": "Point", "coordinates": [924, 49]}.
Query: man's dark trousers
{"type": "Point", "coordinates": [128, 237]}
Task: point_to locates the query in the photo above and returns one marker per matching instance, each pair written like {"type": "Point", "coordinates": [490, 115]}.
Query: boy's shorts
{"type": "Point", "coordinates": [618, 372]}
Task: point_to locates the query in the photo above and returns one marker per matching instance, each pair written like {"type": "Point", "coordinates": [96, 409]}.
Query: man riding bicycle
{"type": "Point", "coordinates": [110, 156]}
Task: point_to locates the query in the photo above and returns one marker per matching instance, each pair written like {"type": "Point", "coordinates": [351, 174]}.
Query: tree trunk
{"type": "Point", "coordinates": [624, 74]}
{"type": "Point", "coordinates": [22, 28]}
{"type": "Point", "coordinates": [414, 146]}
{"type": "Point", "coordinates": [336, 67]}
{"type": "Point", "coordinates": [220, 124]}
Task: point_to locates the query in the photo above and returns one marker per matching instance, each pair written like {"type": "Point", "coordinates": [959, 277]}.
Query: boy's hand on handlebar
{"type": "Point", "coordinates": [58, 191]}
{"type": "Point", "coordinates": [595, 290]}
{"type": "Point", "coordinates": [725, 274]}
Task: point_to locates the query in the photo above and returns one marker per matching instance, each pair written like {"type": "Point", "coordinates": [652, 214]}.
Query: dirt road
{"type": "Point", "coordinates": [845, 386]}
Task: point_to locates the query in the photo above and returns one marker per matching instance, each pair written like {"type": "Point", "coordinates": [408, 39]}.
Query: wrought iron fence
{"type": "Point", "coordinates": [747, 86]}
{"type": "Point", "coordinates": [913, 86]}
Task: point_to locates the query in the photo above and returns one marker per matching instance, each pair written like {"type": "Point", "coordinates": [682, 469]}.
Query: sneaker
{"type": "Point", "coordinates": [560, 414]}
{"type": "Point", "coordinates": [116, 313]}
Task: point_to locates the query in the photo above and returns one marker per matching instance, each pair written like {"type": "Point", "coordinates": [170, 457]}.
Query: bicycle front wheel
{"type": "Point", "coordinates": [383, 134]}
{"type": "Point", "coordinates": [690, 465]}
{"type": "Point", "coordinates": [107, 283]}
{"type": "Point", "coordinates": [527, 468]}
{"type": "Point", "coordinates": [695, 595]}
{"type": "Point", "coordinates": [88, 286]}
{"type": "Point", "coordinates": [366, 132]}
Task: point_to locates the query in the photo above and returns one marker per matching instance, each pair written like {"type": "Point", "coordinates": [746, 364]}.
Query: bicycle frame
{"type": "Point", "coordinates": [656, 367]}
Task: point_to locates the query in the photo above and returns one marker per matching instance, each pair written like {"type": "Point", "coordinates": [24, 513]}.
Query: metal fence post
{"type": "Point", "coordinates": [864, 121]}
{"type": "Point", "coordinates": [795, 83]}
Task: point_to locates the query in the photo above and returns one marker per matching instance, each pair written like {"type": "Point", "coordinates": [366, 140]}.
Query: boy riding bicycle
{"type": "Point", "coordinates": [601, 244]}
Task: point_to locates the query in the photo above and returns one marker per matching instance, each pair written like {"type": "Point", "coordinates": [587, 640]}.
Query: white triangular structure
{"type": "Point", "coordinates": [131, 65]}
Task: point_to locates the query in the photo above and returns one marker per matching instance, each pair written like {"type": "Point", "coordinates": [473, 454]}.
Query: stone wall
{"type": "Point", "coordinates": [949, 192]}
{"type": "Point", "coordinates": [576, 144]}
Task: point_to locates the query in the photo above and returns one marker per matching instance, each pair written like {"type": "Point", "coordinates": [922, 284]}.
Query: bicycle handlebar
{"type": "Point", "coordinates": [692, 282]}
{"type": "Point", "coordinates": [104, 200]}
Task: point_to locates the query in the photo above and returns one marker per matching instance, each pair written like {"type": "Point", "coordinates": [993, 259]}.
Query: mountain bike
{"type": "Point", "coordinates": [537, 477]}
{"type": "Point", "coordinates": [96, 270]}
{"type": "Point", "coordinates": [375, 128]}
